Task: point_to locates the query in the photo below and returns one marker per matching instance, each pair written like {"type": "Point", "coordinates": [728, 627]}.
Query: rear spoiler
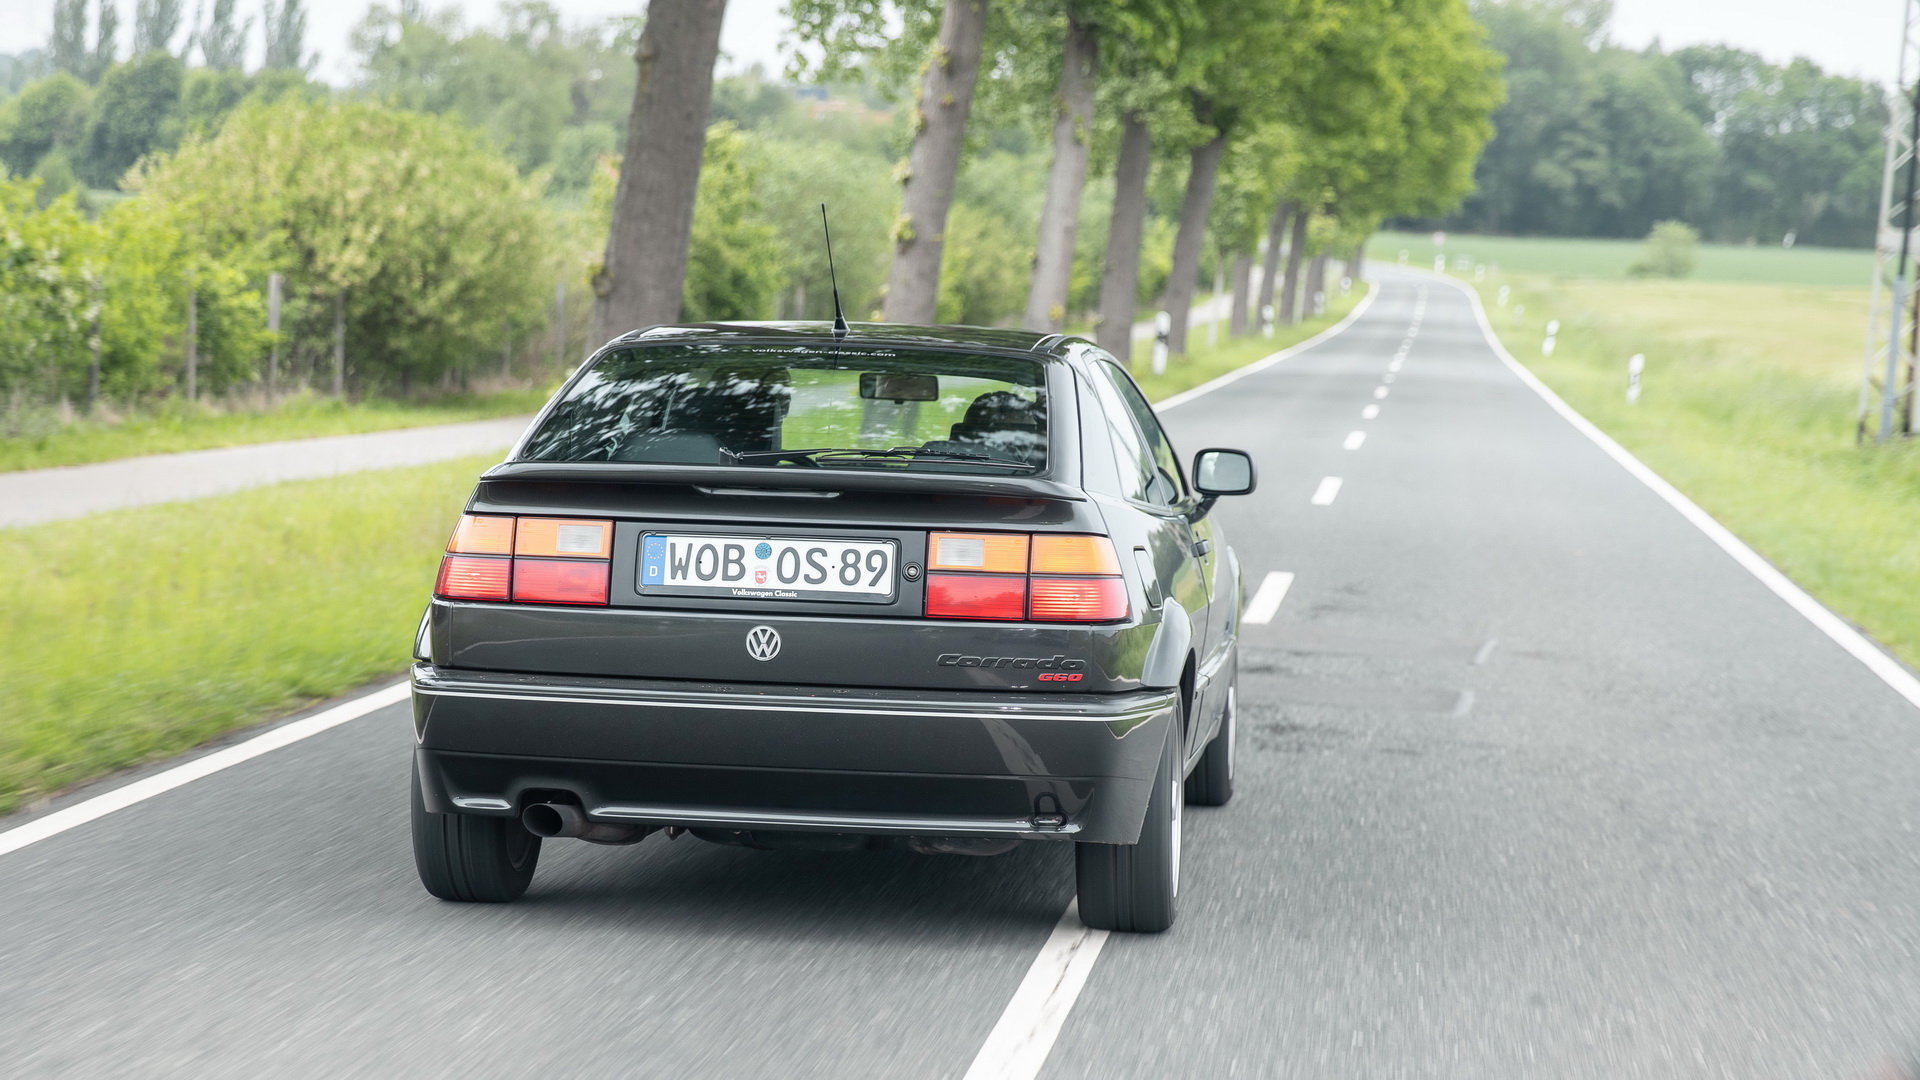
{"type": "Point", "coordinates": [733, 479]}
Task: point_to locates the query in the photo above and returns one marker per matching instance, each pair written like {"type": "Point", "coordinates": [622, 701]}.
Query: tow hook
{"type": "Point", "coordinates": [1047, 813]}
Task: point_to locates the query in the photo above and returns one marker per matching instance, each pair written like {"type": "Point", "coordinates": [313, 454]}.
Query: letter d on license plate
{"type": "Point", "coordinates": [767, 567]}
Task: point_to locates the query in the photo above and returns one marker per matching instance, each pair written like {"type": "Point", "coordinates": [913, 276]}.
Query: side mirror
{"type": "Point", "coordinates": [1223, 472]}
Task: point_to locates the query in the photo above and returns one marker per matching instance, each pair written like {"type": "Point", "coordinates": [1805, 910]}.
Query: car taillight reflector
{"type": "Point", "coordinates": [481, 534]}
{"type": "Point", "coordinates": [564, 538]}
{"type": "Point", "coordinates": [976, 596]}
{"type": "Point", "coordinates": [473, 577]}
{"type": "Point", "coordinates": [1074, 555]}
{"type": "Point", "coordinates": [1090, 599]}
{"type": "Point", "coordinates": [559, 581]}
{"type": "Point", "coordinates": [986, 553]}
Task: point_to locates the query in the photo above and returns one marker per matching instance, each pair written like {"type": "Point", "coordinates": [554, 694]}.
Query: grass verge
{"type": "Point", "coordinates": [48, 441]}
{"type": "Point", "coordinates": [137, 634]}
{"type": "Point", "coordinates": [1747, 406]}
{"type": "Point", "coordinates": [1204, 363]}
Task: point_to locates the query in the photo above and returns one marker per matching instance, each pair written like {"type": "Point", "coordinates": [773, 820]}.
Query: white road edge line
{"type": "Point", "coordinates": [1266, 599]}
{"type": "Point", "coordinates": [180, 775]}
{"type": "Point", "coordinates": [1328, 490]}
{"type": "Point", "coordinates": [1354, 440]}
{"type": "Point", "coordinates": [1024, 1035]}
{"type": "Point", "coordinates": [1258, 366]}
{"type": "Point", "coordinates": [1890, 671]}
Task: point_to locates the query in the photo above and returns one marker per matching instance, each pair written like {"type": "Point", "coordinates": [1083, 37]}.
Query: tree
{"type": "Point", "coordinates": [155, 22]}
{"type": "Point", "coordinates": [642, 278]}
{"type": "Point", "coordinates": [1119, 280]}
{"type": "Point", "coordinates": [733, 256]}
{"type": "Point", "coordinates": [223, 44]}
{"type": "Point", "coordinates": [426, 237]}
{"type": "Point", "coordinates": [285, 24]}
{"type": "Point", "coordinates": [68, 46]}
{"type": "Point", "coordinates": [1066, 180]}
{"type": "Point", "coordinates": [132, 115]}
{"type": "Point", "coordinates": [106, 41]}
{"type": "Point", "coordinates": [48, 113]}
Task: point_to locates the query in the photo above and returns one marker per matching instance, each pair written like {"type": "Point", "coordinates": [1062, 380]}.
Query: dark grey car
{"type": "Point", "coordinates": [940, 588]}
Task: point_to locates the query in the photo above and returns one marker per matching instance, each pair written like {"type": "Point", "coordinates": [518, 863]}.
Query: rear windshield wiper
{"type": "Point", "coordinates": [824, 455]}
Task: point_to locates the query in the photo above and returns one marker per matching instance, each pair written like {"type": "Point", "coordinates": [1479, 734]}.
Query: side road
{"type": "Point", "coordinates": [43, 495]}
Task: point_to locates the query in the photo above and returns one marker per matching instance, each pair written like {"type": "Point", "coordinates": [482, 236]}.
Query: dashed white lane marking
{"type": "Point", "coordinates": [141, 790]}
{"type": "Point", "coordinates": [1329, 489]}
{"type": "Point", "coordinates": [1388, 377]}
{"type": "Point", "coordinates": [1266, 599]}
{"type": "Point", "coordinates": [1019, 1043]}
{"type": "Point", "coordinates": [1398, 362]}
{"type": "Point", "coordinates": [1369, 412]}
{"type": "Point", "coordinates": [1354, 439]}
{"type": "Point", "coordinates": [1486, 651]}
{"type": "Point", "coordinates": [1379, 391]}
{"type": "Point", "coordinates": [1463, 704]}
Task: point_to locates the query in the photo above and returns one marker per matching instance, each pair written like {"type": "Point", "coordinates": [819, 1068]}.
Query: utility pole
{"type": "Point", "coordinates": [93, 345]}
{"type": "Point", "coordinates": [1888, 350]}
{"type": "Point", "coordinates": [340, 344]}
{"type": "Point", "coordinates": [193, 342]}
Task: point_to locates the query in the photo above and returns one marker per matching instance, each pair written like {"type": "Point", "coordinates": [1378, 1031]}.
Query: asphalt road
{"type": "Point", "coordinates": [1535, 781]}
{"type": "Point", "coordinates": [34, 496]}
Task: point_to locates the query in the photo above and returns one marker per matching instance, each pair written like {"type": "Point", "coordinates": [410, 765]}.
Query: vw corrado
{"type": "Point", "coordinates": [935, 588]}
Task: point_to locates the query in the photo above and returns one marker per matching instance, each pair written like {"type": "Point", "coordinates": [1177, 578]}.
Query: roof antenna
{"type": "Point", "coordinates": [839, 316]}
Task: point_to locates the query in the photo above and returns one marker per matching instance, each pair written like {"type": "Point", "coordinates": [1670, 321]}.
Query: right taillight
{"type": "Point", "coordinates": [1037, 577]}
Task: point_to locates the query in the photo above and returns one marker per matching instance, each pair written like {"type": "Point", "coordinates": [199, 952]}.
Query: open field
{"type": "Point", "coordinates": [1833, 267]}
{"type": "Point", "coordinates": [49, 442]}
{"type": "Point", "coordinates": [1748, 406]}
{"type": "Point", "coordinates": [136, 634]}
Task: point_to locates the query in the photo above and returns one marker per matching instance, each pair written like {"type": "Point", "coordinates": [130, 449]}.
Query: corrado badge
{"type": "Point", "coordinates": [1052, 668]}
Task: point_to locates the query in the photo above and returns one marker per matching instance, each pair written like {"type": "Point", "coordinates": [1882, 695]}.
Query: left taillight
{"type": "Point", "coordinates": [527, 560]}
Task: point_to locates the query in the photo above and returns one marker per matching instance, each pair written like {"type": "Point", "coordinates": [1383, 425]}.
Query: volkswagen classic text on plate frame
{"type": "Point", "coordinates": [771, 568]}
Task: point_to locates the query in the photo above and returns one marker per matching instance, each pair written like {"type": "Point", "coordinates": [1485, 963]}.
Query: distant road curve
{"type": "Point", "coordinates": [37, 496]}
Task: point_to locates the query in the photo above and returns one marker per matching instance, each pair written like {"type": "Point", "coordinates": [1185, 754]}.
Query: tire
{"type": "Point", "coordinates": [472, 859]}
{"type": "Point", "coordinates": [1211, 782]}
{"type": "Point", "coordinates": [1132, 888]}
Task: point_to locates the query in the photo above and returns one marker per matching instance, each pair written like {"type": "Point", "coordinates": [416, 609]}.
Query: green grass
{"type": "Point", "coordinates": [47, 441]}
{"type": "Point", "coordinates": [1748, 406]}
{"type": "Point", "coordinates": [137, 634]}
{"type": "Point", "coordinates": [1202, 363]}
{"type": "Point", "coordinates": [1834, 267]}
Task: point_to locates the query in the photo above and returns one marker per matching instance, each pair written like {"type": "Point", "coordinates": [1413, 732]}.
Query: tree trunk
{"type": "Point", "coordinates": [1242, 294]}
{"type": "Point", "coordinates": [340, 344]}
{"type": "Point", "coordinates": [1120, 280]}
{"type": "Point", "coordinates": [1290, 289]}
{"type": "Point", "coordinates": [1204, 166]}
{"type": "Point", "coordinates": [640, 282]}
{"type": "Point", "coordinates": [1316, 284]}
{"type": "Point", "coordinates": [1276, 239]}
{"type": "Point", "coordinates": [1060, 216]}
{"type": "Point", "coordinates": [940, 115]}
{"type": "Point", "coordinates": [1357, 262]}
{"type": "Point", "coordinates": [193, 345]}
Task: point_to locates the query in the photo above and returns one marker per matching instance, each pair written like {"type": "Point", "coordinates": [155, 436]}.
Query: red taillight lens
{"type": "Point", "coordinates": [1092, 599]}
{"type": "Point", "coordinates": [976, 596]}
{"type": "Point", "coordinates": [559, 581]}
{"type": "Point", "coordinates": [473, 577]}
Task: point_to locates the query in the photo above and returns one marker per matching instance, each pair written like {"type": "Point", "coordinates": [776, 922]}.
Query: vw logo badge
{"type": "Point", "coordinates": [763, 643]}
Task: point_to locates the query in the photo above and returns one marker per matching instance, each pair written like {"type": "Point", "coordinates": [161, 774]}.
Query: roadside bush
{"type": "Point", "coordinates": [1670, 252]}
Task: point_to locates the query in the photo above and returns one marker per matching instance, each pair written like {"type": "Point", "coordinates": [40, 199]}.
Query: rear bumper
{"type": "Point", "coordinates": [937, 763]}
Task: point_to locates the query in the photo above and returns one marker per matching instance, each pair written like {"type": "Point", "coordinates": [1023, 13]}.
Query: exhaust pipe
{"type": "Point", "coordinates": [566, 819]}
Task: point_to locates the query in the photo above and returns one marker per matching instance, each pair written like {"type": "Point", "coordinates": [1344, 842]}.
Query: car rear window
{"type": "Point", "coordinates": [781, 406]}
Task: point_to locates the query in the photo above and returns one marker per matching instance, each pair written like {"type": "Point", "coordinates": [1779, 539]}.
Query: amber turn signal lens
{"type": "Point", "coordinates": [559, 581]}
{"type": "Point", "coordinates": [980, 553]}
{"type": "Point", "coordinates": [564, 538]}
{"type": "Point", "coordinates": [482, 534]}
{"type": "Point", "coordinates": [468, 577]}
{"type": "Point", "coordinates": [1094, 599]}
{"type": "Point", "coordinates": [976, 596]}
{"type": "Point", "coordinates": [1074, 555]}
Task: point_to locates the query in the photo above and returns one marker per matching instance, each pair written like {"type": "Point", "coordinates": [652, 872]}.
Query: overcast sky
{"type": "Point", "coordinates": [1854, 37]}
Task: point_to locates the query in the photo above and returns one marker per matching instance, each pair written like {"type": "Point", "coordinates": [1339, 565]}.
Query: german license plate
{"type": "Point", "coordinates": [767, 568]}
